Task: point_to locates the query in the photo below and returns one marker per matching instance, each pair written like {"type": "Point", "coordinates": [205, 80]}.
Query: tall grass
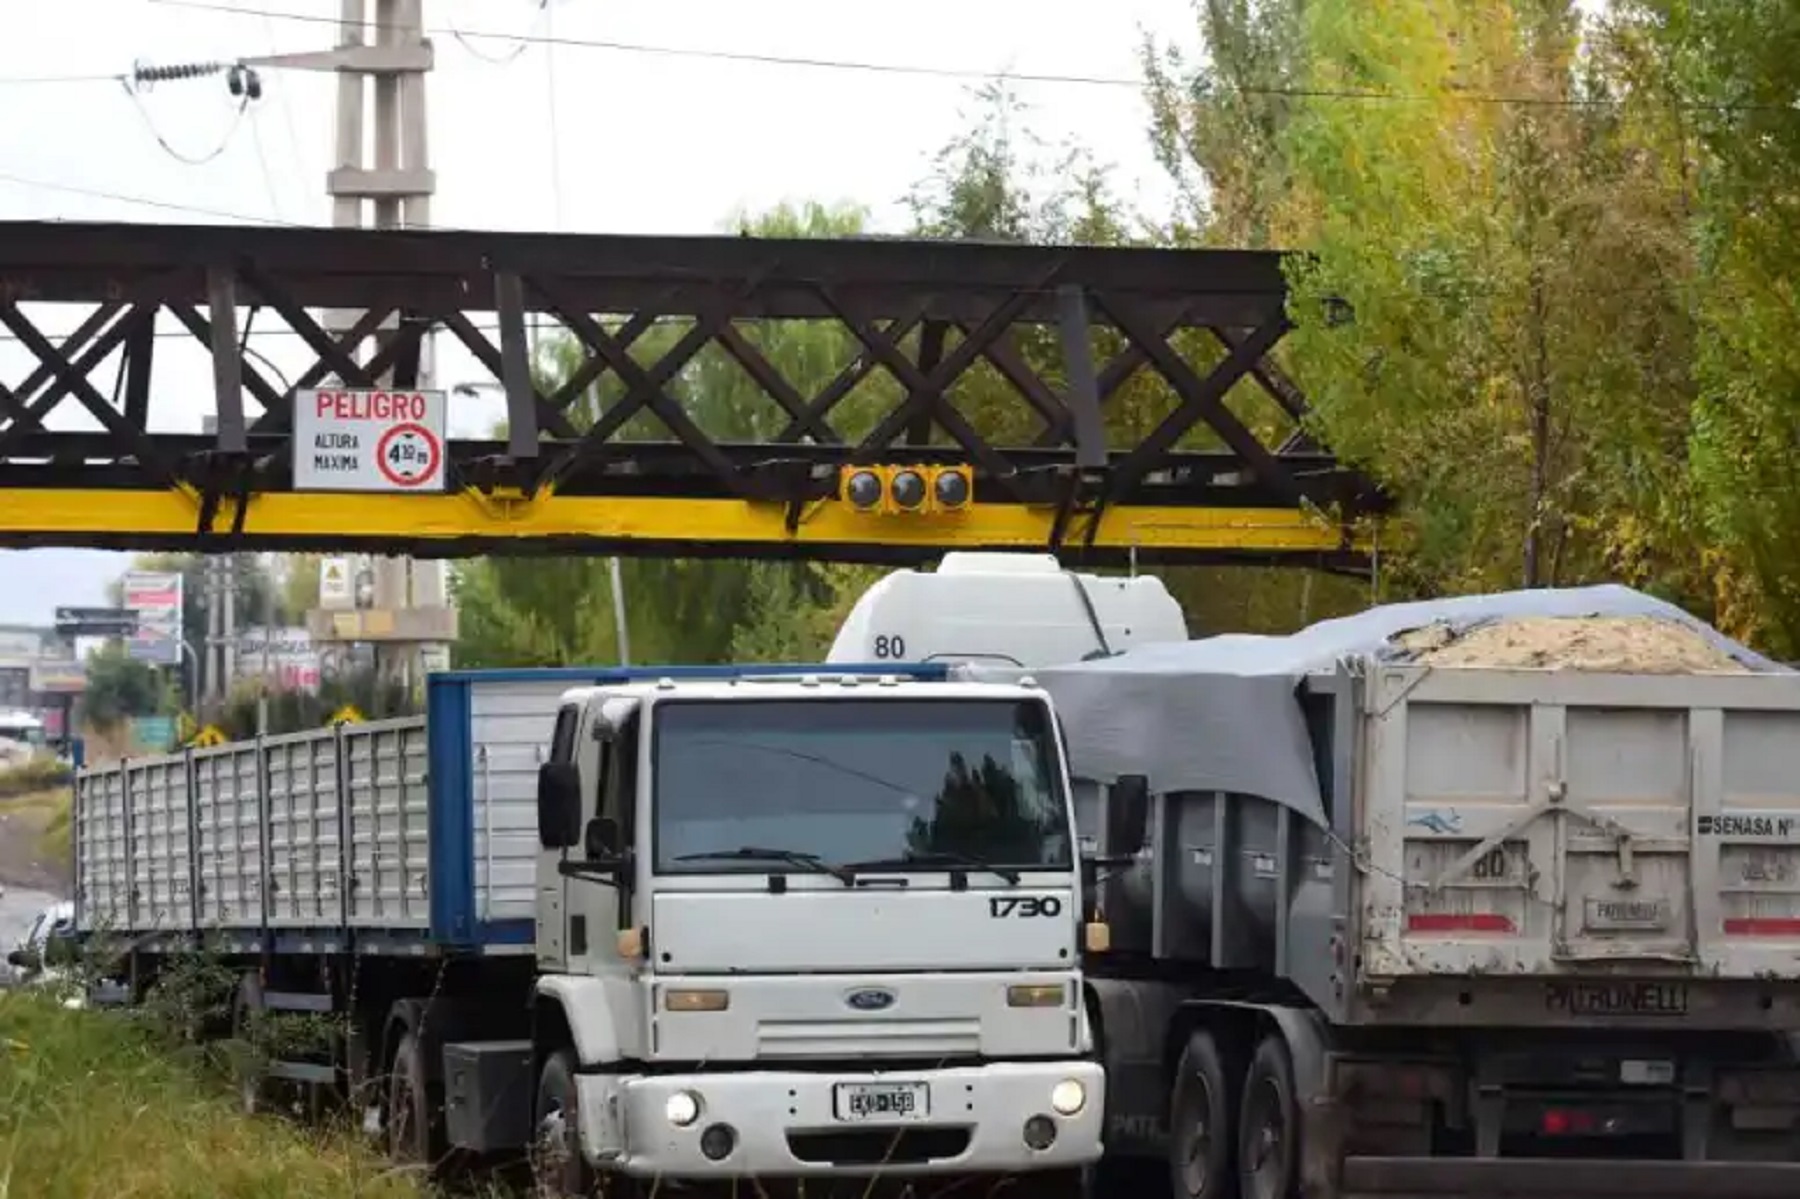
{"type": "Point", "coordinates": [47, 811]}
{"type": "Point", "coordinates": [100, 1104]}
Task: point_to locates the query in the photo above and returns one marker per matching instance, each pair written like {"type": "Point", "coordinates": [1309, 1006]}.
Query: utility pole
{"type": "Point", "coordinates": [416, 627]}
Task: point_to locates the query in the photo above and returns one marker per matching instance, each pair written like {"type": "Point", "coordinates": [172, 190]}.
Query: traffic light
{"type": "Point", "coordinates": [907, 490]}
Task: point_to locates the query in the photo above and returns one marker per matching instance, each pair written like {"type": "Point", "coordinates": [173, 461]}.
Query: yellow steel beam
{"type": "Point", "coordinates": [85, 516]}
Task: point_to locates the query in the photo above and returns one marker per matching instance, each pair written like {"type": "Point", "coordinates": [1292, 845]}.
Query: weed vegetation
{"type": "Point", "coordinates": [112, 1103]}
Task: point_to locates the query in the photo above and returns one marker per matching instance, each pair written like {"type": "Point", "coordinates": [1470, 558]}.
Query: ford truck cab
{"type": "Point", "coordinates": [817, 926]}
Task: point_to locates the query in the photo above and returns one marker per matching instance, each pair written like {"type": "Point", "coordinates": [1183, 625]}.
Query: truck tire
{"type": "Point", "coordinates": [413, 1120]}
{"type": "Point", "coordinates": [1269, 1125]}
{"type": "Point", "coordinates": [556, 1162]}
{"type": "Point", "coordinates": [1203, 1107]}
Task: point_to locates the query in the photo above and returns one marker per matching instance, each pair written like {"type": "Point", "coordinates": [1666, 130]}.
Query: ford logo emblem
{"type": "Point", "coordinates": [870, 999]}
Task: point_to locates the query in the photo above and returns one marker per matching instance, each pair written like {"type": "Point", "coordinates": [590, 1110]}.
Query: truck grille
{"type": "Point", "coordinates": [889, 1038]}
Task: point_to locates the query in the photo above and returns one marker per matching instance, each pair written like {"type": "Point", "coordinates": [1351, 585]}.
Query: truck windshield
{"type": "Point", "coordinates": [851, 780]}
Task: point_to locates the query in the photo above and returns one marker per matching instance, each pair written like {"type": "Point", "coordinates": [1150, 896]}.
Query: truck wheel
{"type": "Point", "coordinates": [410, 1111]}
{"type": "Point", "coordinates": [1269, 1127]}
{"type": "Point", "coordinates": [1202, 1144]}
{"type": "Point", "coordinates": [557, 1165]}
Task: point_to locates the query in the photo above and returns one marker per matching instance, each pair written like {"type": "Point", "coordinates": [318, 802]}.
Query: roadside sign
{"type": "Point", "coordinates": [96, 622]}
{"type": "Point", "coordinates": [156, 598]}
{"type": "Point", "coordinates": [356, 440]}
{"type": "Point", "coordinates": [337, 583]}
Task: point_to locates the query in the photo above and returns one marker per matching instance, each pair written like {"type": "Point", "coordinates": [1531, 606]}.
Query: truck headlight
{"type": "Point", "coordinates": [1035, 995]}
{"type": "Point", "coordinates": [1068, 1097]}
{"type": "Point", "coordinates": [682, 1108]}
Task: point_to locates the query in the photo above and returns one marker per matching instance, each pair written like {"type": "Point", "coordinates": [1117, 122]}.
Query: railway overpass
{"type": "Point", "coordinates": [922, 313]}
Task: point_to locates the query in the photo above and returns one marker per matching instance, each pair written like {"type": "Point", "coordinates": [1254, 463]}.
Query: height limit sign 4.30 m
{"type": "Point", "coordinates": [369, 440]}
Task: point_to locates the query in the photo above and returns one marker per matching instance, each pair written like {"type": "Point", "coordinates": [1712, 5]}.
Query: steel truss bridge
{"type": "Point", "coordinates": [925, 313]}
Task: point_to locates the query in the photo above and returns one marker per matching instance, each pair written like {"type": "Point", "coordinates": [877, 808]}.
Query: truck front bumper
{"type": "Point", "coordinates": [787, 1123]}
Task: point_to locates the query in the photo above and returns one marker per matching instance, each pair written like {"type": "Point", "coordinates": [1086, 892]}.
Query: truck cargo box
{"type": "Point", "coordinates": [397, 834]}
{"type": "Point", "coordinates": [1408, 842]}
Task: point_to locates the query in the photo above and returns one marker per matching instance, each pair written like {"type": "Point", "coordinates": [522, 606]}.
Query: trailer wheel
{"type": "Point", "coordinates": [1269, 1126]}
{"type": "Point", "coordinates": [410, 1111]}
{"type": "Point", "coordinates": [1202, 1108]}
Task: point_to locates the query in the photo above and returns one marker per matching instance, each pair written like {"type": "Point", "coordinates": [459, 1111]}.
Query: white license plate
{"type": "Point", "coordinates": [860, 1101]}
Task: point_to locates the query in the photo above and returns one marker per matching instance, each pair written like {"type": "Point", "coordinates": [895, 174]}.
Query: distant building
{"type": "Point", "coordinates": [40, 675]}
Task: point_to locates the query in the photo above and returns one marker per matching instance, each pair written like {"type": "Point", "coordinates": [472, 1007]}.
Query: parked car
{"type": "Point", "coordinates": [48, 943]}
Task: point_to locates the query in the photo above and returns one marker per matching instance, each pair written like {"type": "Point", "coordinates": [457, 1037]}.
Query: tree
{"type": "Point", "coordinates": [559, 611]}
{"type": "Point", "coordinates": [256, 593]}
{"type": "Point", "coordinates": [1482, 374]}
{"type": "Point", "coordinates": [1219, 126]}
{"type": "Point", "coordinates": [120, 687]}
{"type": "Point", "coordinates": [1725, 77]}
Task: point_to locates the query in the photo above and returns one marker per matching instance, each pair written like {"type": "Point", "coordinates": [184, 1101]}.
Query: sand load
{"type": "Point", "coordinates": [1615, 644]}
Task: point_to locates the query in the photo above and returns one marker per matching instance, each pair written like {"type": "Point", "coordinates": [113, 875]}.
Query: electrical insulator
{"type": "Point", "coordinates": [145, 75]}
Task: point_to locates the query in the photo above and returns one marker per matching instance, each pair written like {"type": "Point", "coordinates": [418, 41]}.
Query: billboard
{"type": "Point", "coordinates": [58, 676]}
{"type": "Point", "coordinates": [156, 598]}
{"type": "Point", "coordinates": [289, 656]}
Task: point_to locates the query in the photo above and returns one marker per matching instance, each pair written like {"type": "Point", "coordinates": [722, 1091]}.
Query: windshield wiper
{"type": "Point", "coordinates": [793, 857]}
{"type": "Point", "coordinates": [937, 859]}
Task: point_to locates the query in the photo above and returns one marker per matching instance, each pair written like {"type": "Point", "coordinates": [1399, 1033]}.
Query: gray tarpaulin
{"type": "Point", "coordinates": [1222, 714]}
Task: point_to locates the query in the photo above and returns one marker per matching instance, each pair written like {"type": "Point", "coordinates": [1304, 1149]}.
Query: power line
{"type": "Point", "coordinates": [780, 60]}
{"type": "Point", "coordinates": [193, 160]}
{"type": "Point", "coordinates": [30, 80]}
{"type": "Point", "coordinates": [521, 44]}
{"type": "Point", "coordinates": [96, 193]}
{"type": "Point", "coordinates": [1357, 95]}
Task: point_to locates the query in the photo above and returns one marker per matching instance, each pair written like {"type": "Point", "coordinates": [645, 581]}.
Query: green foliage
{"type": "Point", "coordinates": [120, 687]}
{"type": "Point", "coordinates": [559, 611]}
{"type": "Point", "coordinates": [98, 1104]}
{"type": "Point", "coordinates": [1726, 76]}
{"type": "Point", "coordinates": [298, 711]}
{"type": "Point", "coordinates": [28, 778]}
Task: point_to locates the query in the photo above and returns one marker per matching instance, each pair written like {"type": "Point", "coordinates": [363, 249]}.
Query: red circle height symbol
{"type": "Point", "coordinates": [433, 453]}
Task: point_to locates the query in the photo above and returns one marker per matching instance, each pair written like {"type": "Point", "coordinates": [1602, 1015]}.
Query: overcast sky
{"type": "Point", "coordinates": [645, 142]}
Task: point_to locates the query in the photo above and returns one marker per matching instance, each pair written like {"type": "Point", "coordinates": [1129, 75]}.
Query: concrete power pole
{"type": "Point", "coordinates": [395, 192]}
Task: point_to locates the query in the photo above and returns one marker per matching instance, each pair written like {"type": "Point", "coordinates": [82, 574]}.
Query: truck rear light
{"type": "Point", "coordinates": [1567, 1122]}
{"type": "Point", "coordinates": [696, 1001]}
{"type": "Point", "coordinates": [1454, 922]}
{"type": "Point", "coordinates": [1035, 995]}
{"type": "Point", "coordinates": [1762, 926]}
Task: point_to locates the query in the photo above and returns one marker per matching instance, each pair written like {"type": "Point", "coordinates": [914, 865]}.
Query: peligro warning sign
{"type": "Point", "coordinates": [368, 440]}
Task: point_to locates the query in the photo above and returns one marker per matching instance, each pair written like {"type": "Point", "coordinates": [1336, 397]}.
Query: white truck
{"type": "Point", "coordinates": [651, 924]}
{"type": "Point", "coordinates": [1385, 926]}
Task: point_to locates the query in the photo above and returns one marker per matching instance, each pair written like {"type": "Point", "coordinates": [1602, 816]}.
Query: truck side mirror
{"type": "Point", "coordinates": [22, 958]}
{"type": "Point", "coordinates": [1127, 815]}
{"type": "Point", "coordinates": [559, 805]}
{"type": "Point", "coordinates": [602, 841]}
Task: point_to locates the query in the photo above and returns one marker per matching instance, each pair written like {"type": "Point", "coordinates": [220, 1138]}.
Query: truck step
{"type": "Point", "coordinates": [303, 1072]}
{"type": "Point", "coordinates": [296, 1001]}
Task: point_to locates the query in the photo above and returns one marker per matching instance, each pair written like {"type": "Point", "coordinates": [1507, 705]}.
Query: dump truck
{"type": "Point", "coordinates": [1406, 904]}
{"type": "Point", "coordinates": [651, 924]}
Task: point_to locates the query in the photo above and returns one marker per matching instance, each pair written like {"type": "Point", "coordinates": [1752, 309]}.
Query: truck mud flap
{"type": "Point", "coordinates": [1534, 1178]}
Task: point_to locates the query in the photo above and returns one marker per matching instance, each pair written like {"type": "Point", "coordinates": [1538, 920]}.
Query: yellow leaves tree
{"type": "Point", "coordinates": [1484, 218]}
